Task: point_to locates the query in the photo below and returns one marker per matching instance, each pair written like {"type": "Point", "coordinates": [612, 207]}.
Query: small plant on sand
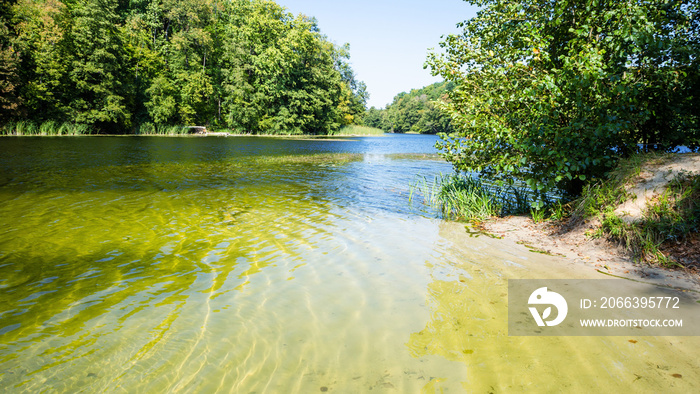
{"type": "Point", "coordinates": [537, 214]}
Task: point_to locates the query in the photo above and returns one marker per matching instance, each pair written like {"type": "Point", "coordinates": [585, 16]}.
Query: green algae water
{"type": "Point", "coordinates": [272, 266]}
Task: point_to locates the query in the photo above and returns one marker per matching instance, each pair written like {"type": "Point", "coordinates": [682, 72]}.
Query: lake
{"type": "Point", "coordinates": [271, 265]}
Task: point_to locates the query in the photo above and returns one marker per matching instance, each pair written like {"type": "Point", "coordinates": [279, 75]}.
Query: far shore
{"type": "Point", "coordinates": [53, 129]}
{"type": "Point", "coordinates": [208, 134]}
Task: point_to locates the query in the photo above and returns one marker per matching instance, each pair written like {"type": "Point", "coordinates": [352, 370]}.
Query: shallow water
{"type": "Point", "coordinates": [271, 265]}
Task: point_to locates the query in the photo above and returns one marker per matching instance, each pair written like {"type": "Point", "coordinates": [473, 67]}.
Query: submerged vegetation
{"type": "Point", "coordinates": [144, 66]}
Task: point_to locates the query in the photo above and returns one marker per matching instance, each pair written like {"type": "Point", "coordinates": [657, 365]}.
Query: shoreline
{"type": "Point", "coordinates": [210, 134]}
{"type": "Point", "coordinates": [588, 254]}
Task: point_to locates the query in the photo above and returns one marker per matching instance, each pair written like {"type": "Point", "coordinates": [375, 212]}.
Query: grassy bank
{"type": "Point", "coordinates": [662, 225]}
{"type": "Point", "coordinates": [151, 129]}
{"type": "Point", "coordinates": [27, 128]}
{"type": "Point", "coordinates": [649, 205]}
{"type": "Point", "coordinates": [51, 128]}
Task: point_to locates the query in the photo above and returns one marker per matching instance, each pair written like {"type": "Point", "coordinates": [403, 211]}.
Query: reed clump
{"type": "Point", "coordinates": [49, 128]}
{"type": "Point", "coordinates": [151, 129]}
{"type": "Point", "coordinates": [355, 130]}
{"type": "Point", "coordinates": [463, 197]}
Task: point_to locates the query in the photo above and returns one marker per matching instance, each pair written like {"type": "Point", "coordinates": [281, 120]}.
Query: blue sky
{"type": "Point", "coordinates": [389, 39]}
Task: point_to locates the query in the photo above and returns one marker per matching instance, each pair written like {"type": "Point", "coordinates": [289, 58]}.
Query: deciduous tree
{"type": "Point", "coordinates": [554, 92]}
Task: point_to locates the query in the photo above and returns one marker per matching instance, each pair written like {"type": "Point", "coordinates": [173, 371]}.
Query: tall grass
{"type": "Point", "coordinates": [151, 129]}
{"type": "Point", "coordinates": [359, 130]}
{"type": "Point", "coordinates": [460, 197]}
{"type": "Point", "coordinates": [49, 128]}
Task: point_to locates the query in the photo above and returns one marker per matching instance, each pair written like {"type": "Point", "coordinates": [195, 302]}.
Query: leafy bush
{"type": "Point", "coordinates": [554, 93]}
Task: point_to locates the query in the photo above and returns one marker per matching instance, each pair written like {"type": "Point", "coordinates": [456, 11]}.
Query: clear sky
{"type": "Point", "coordinates": [389, 39]}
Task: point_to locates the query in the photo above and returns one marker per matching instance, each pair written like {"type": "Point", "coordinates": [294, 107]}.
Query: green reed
{"type": "Point", "coordinates": [151, 129]}
{"type": "Point", "coordinates": [48, 128]}
{"type": "Point", "coordinates": [359, 130]}
{"type": "Point", "coordinates": [460, 197]}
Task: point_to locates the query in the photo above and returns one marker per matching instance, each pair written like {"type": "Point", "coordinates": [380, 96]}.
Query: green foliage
{"type": "Point", "coordinates": [162, 106]}
{"type": "Point", "coordinates": [41, 39]}
{"type": "Point", "coordinates": [417, 111]}
{"type": "Point", "coordinates": [554, 93]}
{"type": "Point", "coordinates": [240, 65]}
{"type": "Point", "coordinates": [9, 66]}
{"type": "Point", "coordinates": [291, 79]}
{"type": "Point", "coordinates": [97, 97]}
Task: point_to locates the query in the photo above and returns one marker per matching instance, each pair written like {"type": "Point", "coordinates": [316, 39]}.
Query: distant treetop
{"type": "Point", "coordinates": [418, 111]}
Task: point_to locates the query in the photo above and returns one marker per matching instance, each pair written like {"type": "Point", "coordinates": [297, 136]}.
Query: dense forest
{"type": "Point", "coordinates": [417, 111]}
{"type": "Point", "coordinates": [120, 66]}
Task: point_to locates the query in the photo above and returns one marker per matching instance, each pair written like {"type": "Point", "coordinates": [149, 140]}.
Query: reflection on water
{"type": "Point", "coordinates": [269, 265]}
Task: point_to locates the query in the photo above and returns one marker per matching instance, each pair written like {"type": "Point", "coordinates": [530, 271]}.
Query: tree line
{"type": "Point", "coordinates": [123, 66]}
{"type": "Point", "coordinates": [417, 111]}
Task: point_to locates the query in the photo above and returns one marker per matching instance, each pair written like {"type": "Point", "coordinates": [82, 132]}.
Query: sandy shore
{"type": "Point", "coordinates": [573, 243]}
{"type": "Point", "coordinates": [590, 254]}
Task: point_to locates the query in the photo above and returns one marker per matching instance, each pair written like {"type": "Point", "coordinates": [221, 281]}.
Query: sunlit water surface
{"type": "Point", "coordinates": [271, 265]}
